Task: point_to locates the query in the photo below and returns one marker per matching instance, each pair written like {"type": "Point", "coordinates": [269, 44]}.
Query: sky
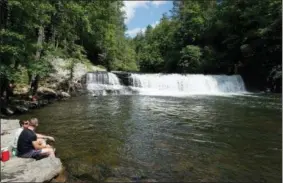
{"type": "Point", "coordinates": [140, 14]}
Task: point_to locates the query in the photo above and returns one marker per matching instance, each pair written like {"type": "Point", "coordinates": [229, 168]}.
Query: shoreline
{"type": "Point", "coordinates": [21, 103]}
{"type": "Point", "coordinates": [27, 169]}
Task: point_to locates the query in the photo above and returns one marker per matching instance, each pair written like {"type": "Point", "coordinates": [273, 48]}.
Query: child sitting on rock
{"type": "Point", "coordinates": [28, 145]}
{"type": "Point", "coordinates": [23, 124]}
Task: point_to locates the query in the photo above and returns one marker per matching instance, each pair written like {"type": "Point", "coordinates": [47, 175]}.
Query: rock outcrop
{"type": "Point", "coordinates": [25, 169]}
{"type": "Point", "coordinates": [30, 170]}
{"type": "Point", "coordinates": [62, 73]}
{"type": "Point", "coordinates": [23, 102]}
{"type": "Point", "coordinates": [46, 91]}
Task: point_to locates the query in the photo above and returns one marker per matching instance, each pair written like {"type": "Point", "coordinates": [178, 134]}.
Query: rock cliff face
{"type": "Point", "coordinates": [25, 169]}
{"type": "Point", "coordinates": [62, 72]}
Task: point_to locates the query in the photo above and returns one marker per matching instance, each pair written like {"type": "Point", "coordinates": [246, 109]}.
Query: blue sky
{"type": "Point", "coordinates": [139, 14]}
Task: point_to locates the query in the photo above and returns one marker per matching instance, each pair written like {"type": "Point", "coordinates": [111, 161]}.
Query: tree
{"type": "Point", "coordinates": [190, 59]}
{"type": "Point", "coordinates": [217, 37]}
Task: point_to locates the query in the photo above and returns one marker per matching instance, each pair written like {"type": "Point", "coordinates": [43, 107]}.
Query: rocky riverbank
{"type": "Point", "coordinates": [21, 102]}
{"type": "Point", "coordinates": [26, 169]}
{"type": "Point", "coordinates": [58, 85]}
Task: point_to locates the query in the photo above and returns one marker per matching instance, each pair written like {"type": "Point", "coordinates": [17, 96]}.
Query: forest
{"type": "Point", "coordinates": [205, 37]}
{"type": "Point", "coordinates": [217, 37]}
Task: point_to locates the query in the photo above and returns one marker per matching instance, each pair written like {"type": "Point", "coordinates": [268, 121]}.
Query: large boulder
{"type": "Point", "coordinates": [25, 169]}
{"type": "Point", "coordinates": [29, 170]}
{"type": "Point", "coordinates": [62, 71]}
{"type": "Point", "coordinates": [62, 94]}
{"type": "Point", "coordinates": [8, 127]}
{"type": "Point", "coordinates": [46, 92]}
{"type": "Point", "coordinates": [65, 94]}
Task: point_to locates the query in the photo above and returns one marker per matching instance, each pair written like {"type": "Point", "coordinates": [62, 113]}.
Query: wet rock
{"type": "Point", "coordinates": [124, 77]}
{"type": "Point", "coordinates": [7, 110]}
{"type": "Point", "coordinates": [61, 177]}
{"type": "Point", "coordinates": [64, 95]}
{"type": "Point", "coordinates": [46, 91]}
{"type": "Point", "coordinates": [33, 104]}
{"type": "Point", "coordinates": [15, 106]}
{"type": "Point", "coordinates": [42, 102]}
{"type": "Point", "coordinates": [20, 109]}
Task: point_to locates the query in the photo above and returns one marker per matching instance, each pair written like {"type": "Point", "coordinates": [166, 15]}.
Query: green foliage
{"type": "Point", "coordinates": [190, 59]}
{"type": "Point", "coordinates": [20, 76]}
{"type": "Point", "coordinates": [200, 36]}
{"type": "Point", "coordinates": [74, 30]}
{"type": "Point", "coordinates": [209, 60]}
{"type": "Point", "coordinates": [42, 67]}
{"type": "Point", "coordinates": [240, 37]}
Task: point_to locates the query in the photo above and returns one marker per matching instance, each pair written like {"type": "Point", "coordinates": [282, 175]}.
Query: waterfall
{"type": "Point", "coordinates": [100, 82]}
{"type": "Point", "coordinates": [174, 84]}
{"type": "Point", "coordinates": [103, 83]}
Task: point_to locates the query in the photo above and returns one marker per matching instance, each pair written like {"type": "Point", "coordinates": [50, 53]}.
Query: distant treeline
{"type": "Point", "coordinates": [212, 37]}
{"type": "Point", "coordinates": [217, 37]}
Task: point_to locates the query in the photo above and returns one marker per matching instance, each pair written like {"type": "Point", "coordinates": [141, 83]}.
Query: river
{"type": "Point", "coordinates": [165, 138]}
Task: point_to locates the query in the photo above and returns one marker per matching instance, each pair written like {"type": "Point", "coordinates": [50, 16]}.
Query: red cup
{"type": "Point", "coordinates": [5, 155]}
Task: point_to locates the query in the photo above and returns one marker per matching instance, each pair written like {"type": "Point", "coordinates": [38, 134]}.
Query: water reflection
{"type": "Point", "coordinates": [198, 138]}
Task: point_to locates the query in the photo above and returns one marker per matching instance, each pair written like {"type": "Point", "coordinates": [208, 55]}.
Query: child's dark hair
{"type": "Point", "coordinates": [21, 122]}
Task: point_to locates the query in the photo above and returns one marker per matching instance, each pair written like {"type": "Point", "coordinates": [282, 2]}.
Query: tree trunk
{"type": "Point", "coordinates": [53, 37]}
{"type": "Point", "coordinates": [4, 82]}
{"type": "Point", "coordinates": [34, 84]}
{"type": "Point", "coordinates": [3, 14]}
{"type": "Point", "coordinates": [56, 44]}
{"type": "Point", "coordinates": [33, 80]}
{"type": "Point", "coordinates": [40, 40]}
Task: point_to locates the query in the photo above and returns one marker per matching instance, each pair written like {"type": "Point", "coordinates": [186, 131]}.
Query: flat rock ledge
{"type": "Point", "coordinates": [25, 169]}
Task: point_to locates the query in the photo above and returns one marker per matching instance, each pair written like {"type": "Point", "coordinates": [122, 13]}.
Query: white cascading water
{"type": "Point", "coordinates": [177, 84]}
{"type": "Point", "coordinates": [100, 82]}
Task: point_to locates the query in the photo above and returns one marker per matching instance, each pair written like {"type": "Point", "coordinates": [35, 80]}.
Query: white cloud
{"type": "Point", "coordinates": [158, 3]}
{"type": "Point", "coordinates": [135, 31]}
{"type": "Point", "coordinates": [155, 24]}
{"type": "Point", "coordinates": [131, 6]}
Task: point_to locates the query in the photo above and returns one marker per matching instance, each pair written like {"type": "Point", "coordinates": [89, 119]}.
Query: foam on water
{"type": "Point", "coordinates": [190, 84]}
{"type": "Point", "coordinates": [101, 83]}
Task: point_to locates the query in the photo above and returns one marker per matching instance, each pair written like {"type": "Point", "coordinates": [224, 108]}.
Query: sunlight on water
{"type": "Point", "coordinates": [188, 139]}
{"type": "Point", "coordinates": [156, 92]}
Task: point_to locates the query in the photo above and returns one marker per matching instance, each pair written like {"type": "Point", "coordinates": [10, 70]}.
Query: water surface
{"type": "Point", "coordinates": [197, 138]}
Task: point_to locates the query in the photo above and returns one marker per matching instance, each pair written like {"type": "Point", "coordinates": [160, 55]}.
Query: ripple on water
{"type": "Point", "coordinates": [196, 138]}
